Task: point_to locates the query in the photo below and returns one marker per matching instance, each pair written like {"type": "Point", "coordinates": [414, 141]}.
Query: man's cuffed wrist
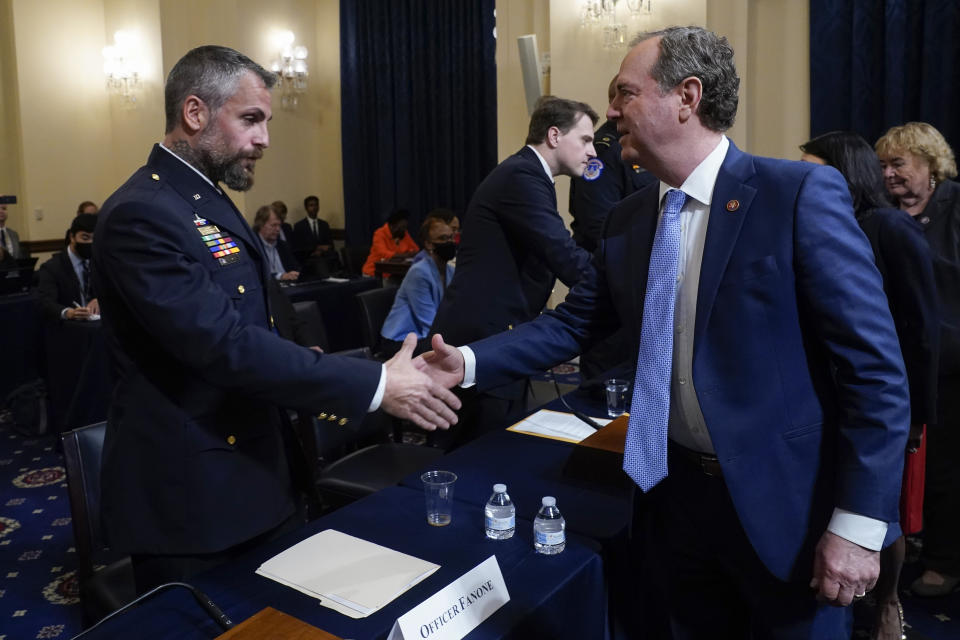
{"type": "Point", "coordinates": [469, 367]}
{"type": "Point", "coordinates": [867, 532]}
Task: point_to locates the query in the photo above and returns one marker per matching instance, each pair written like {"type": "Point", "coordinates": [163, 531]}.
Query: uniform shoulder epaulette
{"type": "Point", "coordinates": [604, 141]}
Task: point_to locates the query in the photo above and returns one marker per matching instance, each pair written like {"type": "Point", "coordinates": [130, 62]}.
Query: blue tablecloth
{"type": "Point", "coordinates": [551, 596]}
{"type": "Point", "coordinates": [532, 467]}
{"type": "Point", "coordinates": [21, 341]}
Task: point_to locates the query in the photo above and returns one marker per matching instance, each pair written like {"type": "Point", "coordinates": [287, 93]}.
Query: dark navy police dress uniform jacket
{"type": "Point", "coordinates": [194, 458]}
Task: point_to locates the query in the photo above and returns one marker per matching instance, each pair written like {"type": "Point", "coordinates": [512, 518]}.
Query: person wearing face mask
{"type": "Point", "coordinates": [918, 165]}
{"type": "Point", "coordinates": [422, 288]}
{"type": "Point", "coordinates": [64, 281]}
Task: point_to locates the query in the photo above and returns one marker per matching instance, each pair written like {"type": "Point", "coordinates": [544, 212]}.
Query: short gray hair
{"type": "Point", "coordinates": [702, 54]}
{"type": "Point", "coordinates": [211, 73]}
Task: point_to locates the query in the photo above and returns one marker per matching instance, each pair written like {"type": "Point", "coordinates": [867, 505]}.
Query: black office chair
{"type": "Point", "coordinates": [355, 460]}
{"type": "Point", "coordinates": [309, 312]}
{"type": "Point", "coordinates": [354, 255]}
{"type": "Point", "coordinates": [107, 588]}
{"type": "Point", "coordinates": [375, 305]}
{"type": "Point", "coordinates": [371, 469]}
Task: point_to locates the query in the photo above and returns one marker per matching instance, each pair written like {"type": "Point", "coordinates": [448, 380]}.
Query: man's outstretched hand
{"type": "Point", "coordinates": [444, 364]}
{"type": "Point", "coordinates": [414, 395]}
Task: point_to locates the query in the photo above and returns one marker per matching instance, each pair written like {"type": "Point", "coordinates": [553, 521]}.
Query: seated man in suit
{"type": "Point", "coordinates": [280, 260]}
{"type": "Point", "coordinates": [422, 288]}
{"type": "Point", "coordinates": [312, 241]}
{"type": "Point", "coordinates": [8, 237]}
{"type": "Point", "coordinates": [392, 240]}
{"type": "Point", "coordinates": [514, 247]}
{"type": "Point", "coordinates": [64, 282]}
{"type": "Point", "coordinates": [286, 231]}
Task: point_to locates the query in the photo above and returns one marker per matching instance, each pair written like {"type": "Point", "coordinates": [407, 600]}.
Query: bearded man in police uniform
{"type": "Point", "coordinates": [195, 464]}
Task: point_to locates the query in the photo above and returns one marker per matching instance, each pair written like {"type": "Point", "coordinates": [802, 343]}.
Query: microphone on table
{"type": "Point", "coordinates": [212, 610]}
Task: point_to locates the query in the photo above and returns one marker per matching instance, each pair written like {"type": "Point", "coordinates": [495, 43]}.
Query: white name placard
{"type": "Point", "coordinates": [458, 608]}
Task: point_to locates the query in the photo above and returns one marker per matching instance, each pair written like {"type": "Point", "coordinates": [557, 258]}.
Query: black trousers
{"type": "Point", "coordinates": [707, 576]}
{"type": "Point", "coordinates": [941, 500]}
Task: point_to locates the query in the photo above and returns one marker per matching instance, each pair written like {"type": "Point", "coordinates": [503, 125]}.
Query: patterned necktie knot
{"type": "Point", "coordinates": [674, 202]}
{"type": "Point", "coordinates": [645, 451]}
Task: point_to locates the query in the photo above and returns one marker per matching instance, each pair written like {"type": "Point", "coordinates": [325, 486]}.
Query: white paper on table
{"type": "Point", "coordinates": [559, 426]}
{"type": "Point", "coordinates": [333, 279]}
{"type": "Point", "coordinates": [349, 575]}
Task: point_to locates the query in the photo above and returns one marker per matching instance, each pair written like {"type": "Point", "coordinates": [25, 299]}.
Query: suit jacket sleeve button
{"type": "Point", "coordinates": [241, 288]}
{"type": "Point", "coordinates": [321, 416]}
{"type": "Point", "coordinates": [343, 421]}
{"type": "Point", "coordinates": [332, 418]}
{"type": "Point", "coordinates": [231, 440]}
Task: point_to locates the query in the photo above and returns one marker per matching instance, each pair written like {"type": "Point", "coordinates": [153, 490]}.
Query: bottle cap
{"type": "Point", "coordinates": [549, 501]}
{"type": "Point", "coordinates": [499, 488]}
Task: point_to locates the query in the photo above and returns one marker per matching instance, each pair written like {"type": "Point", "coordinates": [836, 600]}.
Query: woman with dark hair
{"type": "Point", "coordinates": [904, 260]}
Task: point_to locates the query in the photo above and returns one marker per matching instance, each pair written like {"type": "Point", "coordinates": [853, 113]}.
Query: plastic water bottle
{"type": "Point", "coordinates": [499, 514]}
{"type": "Point", "coordinates": [549, 535]}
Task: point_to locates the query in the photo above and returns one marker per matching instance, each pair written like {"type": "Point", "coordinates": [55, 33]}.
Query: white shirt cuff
{"type": "Point", "coordinates": [469, 367]}
{"type": "Point", "coordinates": [381, 388]}
{"type": "Point", "coordinates": [866, 532]}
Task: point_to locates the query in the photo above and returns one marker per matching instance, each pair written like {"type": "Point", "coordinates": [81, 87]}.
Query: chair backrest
{"type": "Point", "coordinates": [354, 256]}
{"type": "Point", "coordinates": [375, 304]}
{"type": "Point", "coordinates": [83, 454]}
{"type": "Point", "coordinates": [309, 311]}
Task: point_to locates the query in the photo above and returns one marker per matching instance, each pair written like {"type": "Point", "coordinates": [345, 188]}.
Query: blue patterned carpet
{"type": "Point", "coordinates": [38, 587]}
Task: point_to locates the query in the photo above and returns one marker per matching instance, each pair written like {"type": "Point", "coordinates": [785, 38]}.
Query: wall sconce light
{"type": "Point", "coordinates": [121, 65]}
{"type": "Point", "coordinates": [291, 69]}
{"type": "Point", "coordinates": [601, 15]}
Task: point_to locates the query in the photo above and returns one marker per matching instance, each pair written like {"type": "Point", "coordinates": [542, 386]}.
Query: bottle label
{"type": "Point", "coordinates": [549, 538]}
{"type": "Point", "coordinates": [500, 524]}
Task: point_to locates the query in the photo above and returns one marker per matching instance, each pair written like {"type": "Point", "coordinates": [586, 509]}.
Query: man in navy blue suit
{"type": "Point", "coordinates": [196, 461]}
{"type": "Point", "coordinates": [513, 248]}
{"type": "Point", "coordinates": [784, 392]}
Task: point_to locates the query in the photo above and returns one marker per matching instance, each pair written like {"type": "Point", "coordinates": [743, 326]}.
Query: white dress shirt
{"type": "Point", "coordinates": [686, 423]}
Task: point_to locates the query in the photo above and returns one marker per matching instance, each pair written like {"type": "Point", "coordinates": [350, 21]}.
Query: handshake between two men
{"type": "Point", "coordinates": [418, 389]}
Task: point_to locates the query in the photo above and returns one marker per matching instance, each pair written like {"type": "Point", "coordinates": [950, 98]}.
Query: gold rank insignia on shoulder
{"type": "Point", "coordinates": [154, 176]}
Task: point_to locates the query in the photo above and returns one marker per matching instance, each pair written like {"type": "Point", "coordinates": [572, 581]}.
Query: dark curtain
{"type": "Point", "coordinates": [419, 102]}
{"type": "Point", "coordinates": [879, 63]}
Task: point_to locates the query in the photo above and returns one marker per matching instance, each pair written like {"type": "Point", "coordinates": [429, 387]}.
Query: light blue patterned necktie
{"type": "Point", "coordinates": [645, 451]}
